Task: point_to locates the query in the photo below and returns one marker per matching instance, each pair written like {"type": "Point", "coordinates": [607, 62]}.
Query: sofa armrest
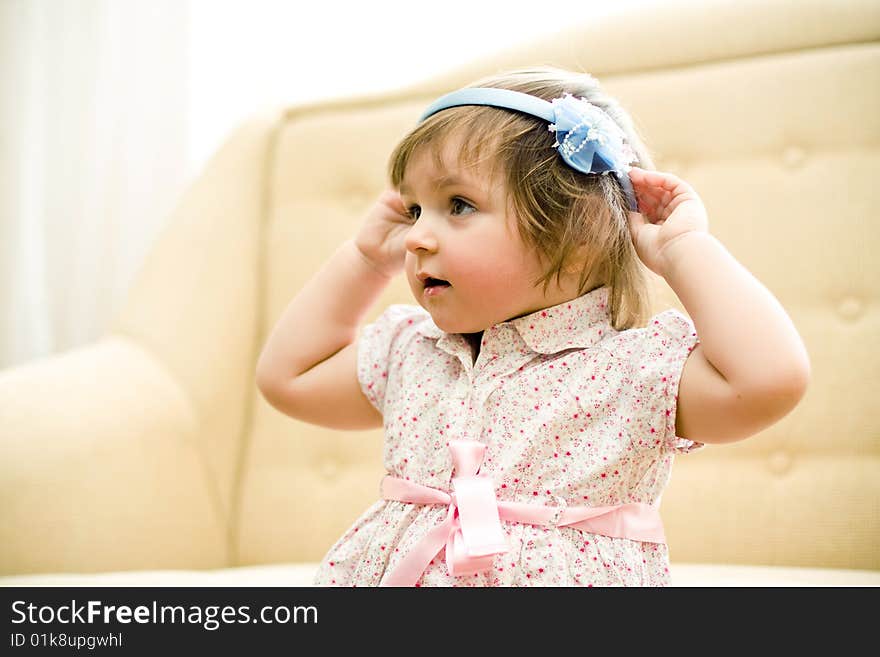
{"type": "Point", "coordinates": [99, 468]}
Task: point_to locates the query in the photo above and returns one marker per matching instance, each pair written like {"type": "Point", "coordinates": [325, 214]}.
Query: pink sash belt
{"type": "Point", "coordinates": [472, 533]}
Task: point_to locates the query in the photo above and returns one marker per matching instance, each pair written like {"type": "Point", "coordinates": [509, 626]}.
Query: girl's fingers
{"type": "Point", "coordinates": [655, 178]}
{"type": "Point", "coordinates": [657, 182]}
{"type": "Point", "coordinates": [636, 220]}
{"type": "Point", "coordinates": [658, 192]}
{"type": "Point", "coordinates": [649, 194]}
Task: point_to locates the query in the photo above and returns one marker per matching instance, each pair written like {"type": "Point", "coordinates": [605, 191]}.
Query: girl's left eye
{"type": "Point", "coordinates": [461, 202]}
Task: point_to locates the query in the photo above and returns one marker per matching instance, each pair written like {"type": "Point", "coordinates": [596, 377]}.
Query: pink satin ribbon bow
{"type": "Point", "coordinates": [472, 533]}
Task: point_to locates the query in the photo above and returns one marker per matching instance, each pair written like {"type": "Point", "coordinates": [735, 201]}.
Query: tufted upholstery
{"type": "Point", "coordinates": [153, 449]}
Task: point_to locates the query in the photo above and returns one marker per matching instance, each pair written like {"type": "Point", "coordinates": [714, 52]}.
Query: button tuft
{"type": "Point", "coordinates": [329, 469]}
{"type": "Point", "coordinates": [794, 156]}
{"type": "Point", "coordinates": [850, 308]}
{"type": "Point", "coordinates": [779, 462]}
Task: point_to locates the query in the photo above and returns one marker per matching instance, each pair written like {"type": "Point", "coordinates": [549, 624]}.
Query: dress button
{"type": "Point", "coordinates": [794, 157]}
{"type": "Point", "coordinates": [462, 388]}
{"type": "Point", "coordinates": [850, 308]}
{"type": "Point", "coordinates": [779, 462]}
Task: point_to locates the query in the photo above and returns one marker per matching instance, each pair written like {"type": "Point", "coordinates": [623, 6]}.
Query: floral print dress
{"type": "Point", "coordinates": [571, 411]}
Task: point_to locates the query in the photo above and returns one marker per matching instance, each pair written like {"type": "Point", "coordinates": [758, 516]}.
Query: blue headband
{"type": "Point", "coordinates": [591, 142]}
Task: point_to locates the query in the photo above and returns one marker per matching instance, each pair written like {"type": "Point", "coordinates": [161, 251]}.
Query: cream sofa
{"type": "Point", "coordinates": [149, 456]}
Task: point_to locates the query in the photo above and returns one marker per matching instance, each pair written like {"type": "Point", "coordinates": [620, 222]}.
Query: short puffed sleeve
{"type": "Point", "coordinates": [671, 338]}
{"type": "Point", "coordinates": [375, 344]}
{"type": "Point", "coordinates": [655, 358]}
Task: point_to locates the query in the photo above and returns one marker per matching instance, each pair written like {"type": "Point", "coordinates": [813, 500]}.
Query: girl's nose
{"type": "Point", "coordinates": [421, 236]}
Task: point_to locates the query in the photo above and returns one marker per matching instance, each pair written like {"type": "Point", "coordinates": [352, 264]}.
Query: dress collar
{"type": "Point", "coordinates": [578, 323]}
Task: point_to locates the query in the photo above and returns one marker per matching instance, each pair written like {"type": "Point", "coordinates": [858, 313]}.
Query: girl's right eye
{"type": "Point", "coordinates": [411, 212]}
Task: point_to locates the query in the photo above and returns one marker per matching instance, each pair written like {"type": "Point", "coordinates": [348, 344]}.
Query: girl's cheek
{"type": "Point", "coordinates": [409, 269]}
{"type": "Point", "coordinates": [468, 267]}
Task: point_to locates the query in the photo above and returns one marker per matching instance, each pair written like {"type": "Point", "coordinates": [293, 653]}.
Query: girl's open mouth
{"type": "Point", "coordinates": [435, 286]}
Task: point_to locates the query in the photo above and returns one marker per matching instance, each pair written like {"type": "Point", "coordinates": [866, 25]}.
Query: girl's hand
{"type": "Point", "coordinates": [382, 236]}
{"type": "Point", "coordinates": [669, 209]}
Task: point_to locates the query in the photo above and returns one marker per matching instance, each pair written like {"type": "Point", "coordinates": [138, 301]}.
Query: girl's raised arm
{"type": "Point", "coordinates": [751, 367]}
{"type": "Point", "coordinates": [307, 368]}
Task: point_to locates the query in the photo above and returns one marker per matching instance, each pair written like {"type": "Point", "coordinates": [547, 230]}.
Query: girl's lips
{"type": "Point", "coordinates": [434, 290]}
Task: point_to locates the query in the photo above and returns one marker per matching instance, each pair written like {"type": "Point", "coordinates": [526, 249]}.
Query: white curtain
{"type": "Point", "coordinates": [109, 108]}
{"type": "Point", "coordinates": [93, 154]}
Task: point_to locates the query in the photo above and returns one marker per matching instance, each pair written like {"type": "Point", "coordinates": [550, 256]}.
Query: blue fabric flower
{"type": "Point", "coordinates": [587, 138]}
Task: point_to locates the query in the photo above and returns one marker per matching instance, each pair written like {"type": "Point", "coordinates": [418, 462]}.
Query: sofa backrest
{"type": "Point", "coordinates": [771, 110]}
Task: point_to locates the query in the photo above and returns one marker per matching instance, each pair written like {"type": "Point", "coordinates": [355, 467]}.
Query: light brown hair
{"type": "Point", "coordinates": [574, 221]}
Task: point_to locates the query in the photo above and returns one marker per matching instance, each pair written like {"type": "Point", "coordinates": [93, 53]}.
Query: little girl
{"type": "Point", "coordinates": [531, 414]}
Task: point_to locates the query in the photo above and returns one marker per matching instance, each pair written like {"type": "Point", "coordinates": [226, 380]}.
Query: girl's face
{"type": "Point", "coordinates": [463, 233]}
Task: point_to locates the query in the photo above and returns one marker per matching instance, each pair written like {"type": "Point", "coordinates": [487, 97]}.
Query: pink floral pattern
{"type": "Point", "coordinates": [571, 411]}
